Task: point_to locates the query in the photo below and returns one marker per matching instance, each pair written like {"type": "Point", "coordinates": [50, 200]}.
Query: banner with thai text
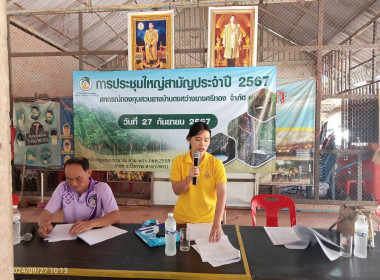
{"type": "Point", "coordinates": [139, 120]}
{"type": "Point", "coordinates": [294, 133]}
{"type": "Point", "coordinates": [37, 142]}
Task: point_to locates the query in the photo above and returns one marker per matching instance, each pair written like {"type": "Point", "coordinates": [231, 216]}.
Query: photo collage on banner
{"type": "Point", "coordinates": [294, 133]}
{"type": "Point", "coordinates": [151, 40]}
{"type": "Point", "coordinates": [67, 130]}
{"type": "Point", "coordinates": [37, 133]}
{"type": "Point", "coordinates": [44, 132]}
{"type": "Point", "coordinates": [232, 36]}
{"type": "Point", "coordinates": [138, 121]}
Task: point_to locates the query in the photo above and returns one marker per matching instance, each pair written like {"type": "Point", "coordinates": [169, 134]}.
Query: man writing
{"type": "Point", "coordinates": [85, 202]}
{"type": "Point", "coordinates": [151, 39]}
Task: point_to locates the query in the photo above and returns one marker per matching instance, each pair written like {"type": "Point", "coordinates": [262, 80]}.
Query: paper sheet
{"type": "Point", "coordinates": [60, 232]}
{"type": "Point", "coordinates": [217, 263]}
{"type": "Point", "coordinates": [281, 235]}
{"type": "Point", "coordinates": [200, 230]}
{"type": "Point", "coordinates": [305, 234]}
{"type": "Point", "coordinates": [94, 236]}
{"type": "Point", "coordinates": [331, 254]}
{"type": "Point", "coordinates": [217, 253]}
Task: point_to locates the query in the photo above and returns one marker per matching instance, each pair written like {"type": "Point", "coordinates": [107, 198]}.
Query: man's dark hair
{"type": "Point", "coordinates": [78, 160]}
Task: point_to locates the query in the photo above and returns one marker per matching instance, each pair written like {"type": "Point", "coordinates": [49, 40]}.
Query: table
{"type": "Point", "coordinates": [277, 262]}
{"type": "Point", "coordinates": [126, 256]}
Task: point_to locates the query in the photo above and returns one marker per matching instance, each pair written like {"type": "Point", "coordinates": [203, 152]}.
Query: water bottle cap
{"type": "Point", "coordinates": [170, 215]}
{"type": "Point", "coordinates": [15, 199]}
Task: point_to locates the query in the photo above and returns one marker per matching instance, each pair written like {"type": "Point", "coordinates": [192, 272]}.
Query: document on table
{"type": "Point", "coordinates": [199, 230]}
{"type": "Point", "coordinates": [61, 232]}
{"type": "Point", "coordinates": [218, 253]}
{"type": "Point", "coordinates": [281, 235]}
{"type": "Point", "coordinates": [299, 237]}
{"type": "Point", "coordinates": [94, 236]}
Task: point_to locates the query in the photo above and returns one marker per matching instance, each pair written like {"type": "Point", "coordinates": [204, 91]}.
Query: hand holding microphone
{"type": "Point", "coordinates": [197, 155]}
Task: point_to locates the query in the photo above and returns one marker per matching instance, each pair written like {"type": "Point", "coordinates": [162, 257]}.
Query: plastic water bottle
{"type": "Point", "coordinates": [361, 237]}
{"type": "Point", "coordinates": [16, 225]}
{"type": "Point", "coordinates": [170, 236]}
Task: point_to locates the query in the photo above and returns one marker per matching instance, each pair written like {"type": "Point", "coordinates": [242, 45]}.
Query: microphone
{"type": "Point", "coordinates": [196, 163]}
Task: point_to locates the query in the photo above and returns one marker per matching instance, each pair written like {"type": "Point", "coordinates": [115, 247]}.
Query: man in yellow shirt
{"type": "Point", "coordinates": [205, 201]}
{"type": "Point", "coordinates": [151, 39]}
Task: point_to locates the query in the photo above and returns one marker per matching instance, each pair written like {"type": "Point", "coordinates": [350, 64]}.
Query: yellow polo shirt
{"type": "Point", "coordinates": [197, 204]}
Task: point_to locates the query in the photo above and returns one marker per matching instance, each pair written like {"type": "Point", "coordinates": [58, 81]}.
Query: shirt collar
{"type": "Point", "coordinates": [90, 188]}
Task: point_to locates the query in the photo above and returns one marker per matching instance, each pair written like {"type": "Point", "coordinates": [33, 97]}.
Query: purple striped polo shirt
{"type": "Point", "coordinates": [93, 203]}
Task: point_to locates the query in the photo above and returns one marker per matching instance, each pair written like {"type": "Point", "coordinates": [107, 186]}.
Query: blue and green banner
{"type": "Point", "coordinates": [37, 142]}
{"type": "Point", "coordinates": [44, 132]}
{"type": "Point", "coordinates": [294, 132]}
{"type": "Point", "coordinates": [139, 120]}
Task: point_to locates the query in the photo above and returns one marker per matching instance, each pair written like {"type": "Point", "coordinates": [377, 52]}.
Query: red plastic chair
{"type": "Point", "coordinates": [272, 203]}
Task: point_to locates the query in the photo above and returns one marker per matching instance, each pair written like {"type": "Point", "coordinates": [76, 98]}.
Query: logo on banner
{"type": "Point", "coordinates": [85, 83]}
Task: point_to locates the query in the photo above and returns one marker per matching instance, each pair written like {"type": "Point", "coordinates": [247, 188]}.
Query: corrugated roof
{"type": "Point", "coordinates": [296, 21]}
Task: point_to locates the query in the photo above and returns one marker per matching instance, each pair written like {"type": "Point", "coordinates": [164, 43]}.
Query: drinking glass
{"type": "Point", "coordinates": [346, 245]}
{"type": "Point", "coordinates": [184, 244]}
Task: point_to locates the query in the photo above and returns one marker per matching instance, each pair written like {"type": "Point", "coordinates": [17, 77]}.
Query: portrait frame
{"type": "Point", "coordinates": [219, 17]}
{"type": "Point", "coordinates": [161, 56]}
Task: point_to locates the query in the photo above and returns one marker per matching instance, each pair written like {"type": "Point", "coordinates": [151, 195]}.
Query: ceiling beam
{"type": "Point", "coordinates": [9, 3]}
{"type": "Point", "coordinates": [67, 53]}
{"type": "Point", "coordinates": [328, 22]}
{"type": "Point", "coordinates": [323, 48]}
{"type": "Point", "coordinates": [39, 36]}
{"type": "Point", "coordinates": [100, 22]}
{"type": "Point", "coordinates": [140, 7]}
{"type": "Point", "coordinates": [361, 29]}
{"type": "Point", "coordinates": [280, 19]}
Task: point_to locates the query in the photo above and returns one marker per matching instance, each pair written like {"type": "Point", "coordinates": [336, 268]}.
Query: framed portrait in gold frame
{"type": "Point", "coordinates": [150, 40]}
{"type": "Point", "coordinates": [232, 36]}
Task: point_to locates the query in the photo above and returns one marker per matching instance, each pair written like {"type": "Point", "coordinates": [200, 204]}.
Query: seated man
{"type": "Point", "coordinates": [85, 202]}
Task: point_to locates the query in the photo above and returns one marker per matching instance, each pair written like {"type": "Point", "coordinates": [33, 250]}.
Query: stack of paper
{"type": "Point", "coordinates": [217, 254]}
{"type": "Point", "coordinates": [61, 232]}
{"type": "Point", "coordinates": [299, 237]}
{"type": "Point", "coordinates": [199, 230]}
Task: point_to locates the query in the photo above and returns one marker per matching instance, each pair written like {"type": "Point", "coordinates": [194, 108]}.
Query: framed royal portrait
{"type": "Point", "coordinates": [232, 36]}
{"type": "Point", "coordinates": [150, 41]}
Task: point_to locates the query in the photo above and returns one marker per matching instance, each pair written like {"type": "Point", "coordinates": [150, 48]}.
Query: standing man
{"type": "Point", "coordinates": [85, 202]}
{"type": "Point", "coordinates": [151, 39]}
{"type": "Point", "coordinates": [231, 41]}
